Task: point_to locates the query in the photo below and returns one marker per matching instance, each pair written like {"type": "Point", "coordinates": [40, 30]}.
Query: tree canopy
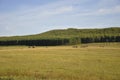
{"type": "Point", "coordinates": [65, 37]}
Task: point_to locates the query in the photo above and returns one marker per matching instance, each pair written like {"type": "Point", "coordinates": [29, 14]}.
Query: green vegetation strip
{"type": "Point", "coordinates": [64, 37]}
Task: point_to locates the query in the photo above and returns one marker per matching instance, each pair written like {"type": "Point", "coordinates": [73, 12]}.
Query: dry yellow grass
{"type": "Point", "coordinates": [60, 63]}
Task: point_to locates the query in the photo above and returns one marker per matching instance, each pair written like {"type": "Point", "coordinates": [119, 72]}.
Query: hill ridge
{"type": "Point", "coordinates": [66, 36]}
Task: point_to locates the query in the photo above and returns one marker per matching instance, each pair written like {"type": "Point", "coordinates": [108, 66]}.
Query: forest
{"type": "Point", "coordinates": [70, 36]}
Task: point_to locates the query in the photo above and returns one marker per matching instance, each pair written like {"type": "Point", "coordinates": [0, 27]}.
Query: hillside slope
{"type": "Point", "coordinates": [68, 33]}
{"type": "Point", "coordinates": [71, 36]}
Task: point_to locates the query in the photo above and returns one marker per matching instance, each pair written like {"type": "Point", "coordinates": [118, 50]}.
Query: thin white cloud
{"type": "Point", "coordinates": [32, 16]}
{"type": "Point", "coordinates": [108, 3]}
{"type": "Point", "coordinates": [60, 10]}
{"type": "Point", "coordinates": [101, 11]}
{"type": "Point", "coordinates": [114, 10]}
{"type": "Point", "coordinates": [54, 14]}
{"type": "Point", "coordinates": [16, 19]}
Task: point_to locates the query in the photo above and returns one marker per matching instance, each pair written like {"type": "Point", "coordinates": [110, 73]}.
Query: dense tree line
{"type": "Point", "coordinates": [55, 42]}
{"type": "Point", "coordinates": [64, 37]}
{"type": "Point", "coordinates": [42, 42]}
{"type": "Point", "coordinates": [100, 39]}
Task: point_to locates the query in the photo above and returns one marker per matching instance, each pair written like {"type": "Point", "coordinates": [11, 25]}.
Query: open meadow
{"type": "Point", "coordinates": [95, 62]}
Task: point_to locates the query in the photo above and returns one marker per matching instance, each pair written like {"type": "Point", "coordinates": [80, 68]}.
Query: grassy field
{"type": "Point", "coordinates": [61, 62]}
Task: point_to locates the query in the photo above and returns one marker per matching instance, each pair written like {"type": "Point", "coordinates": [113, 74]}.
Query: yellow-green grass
{"type": "Point", "coordinates": [60, 63]}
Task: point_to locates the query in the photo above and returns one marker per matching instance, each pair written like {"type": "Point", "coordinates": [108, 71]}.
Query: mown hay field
{"type": "Point", "coordinates": [60, 63]}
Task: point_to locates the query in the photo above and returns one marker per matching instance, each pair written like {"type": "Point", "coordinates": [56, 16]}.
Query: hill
{"type": "Point", "coordinates": [65, 37]}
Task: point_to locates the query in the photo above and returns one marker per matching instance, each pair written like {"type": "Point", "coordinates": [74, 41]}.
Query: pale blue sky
{"type": "Point", "coordinates": [23, 17]}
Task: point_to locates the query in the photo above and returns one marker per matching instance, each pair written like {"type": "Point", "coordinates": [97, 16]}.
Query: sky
{"type": "Point", "coordinates": [25, 17]}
